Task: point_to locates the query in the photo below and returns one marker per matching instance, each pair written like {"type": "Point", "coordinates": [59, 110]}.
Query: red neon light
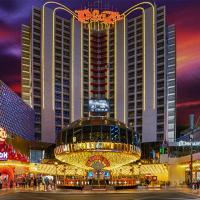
{"type": "Point", "coordinates": [107, 17]}
{"type": "Point", "coordinates": [7, 151]}
{"type": "Point", "coordinates": [12, 154]}
{"type": "Point", "coordinates": [3, 135]}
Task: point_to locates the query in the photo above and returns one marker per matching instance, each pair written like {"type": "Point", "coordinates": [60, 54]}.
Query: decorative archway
{"type": "Point", "coordinates": [8, 171]}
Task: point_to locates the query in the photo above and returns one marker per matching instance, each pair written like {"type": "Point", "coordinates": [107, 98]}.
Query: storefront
{"type": "Point", "coordinates": [13, 163]}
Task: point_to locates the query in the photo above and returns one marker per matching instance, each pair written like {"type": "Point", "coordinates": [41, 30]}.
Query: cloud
{"type": "Point", "coordinates": [188, 104]}
{"type": "Point", "coordinates": [14, 50]}
{"type": "Point", "coordinates": [12, 11]}
{"type": "Point", "coordinates": [16, 88]}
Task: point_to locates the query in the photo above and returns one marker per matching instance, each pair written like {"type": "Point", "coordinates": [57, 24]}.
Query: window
{"type": "Point", "coordinates": [36, 37]}
{"type": "Point", "coordinates": [58, 112]}
{"type": "Point", "coordinates": [58, 104]}
{"type": "Point", "coordinates": [160, 37]}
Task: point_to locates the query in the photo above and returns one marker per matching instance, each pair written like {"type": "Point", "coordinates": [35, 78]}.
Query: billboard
{"type": "Point", "coordinates": [98, 105]}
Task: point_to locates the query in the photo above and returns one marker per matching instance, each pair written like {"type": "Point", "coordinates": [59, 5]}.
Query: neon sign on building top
{"type": "Point", "coordinates": [107, 17]}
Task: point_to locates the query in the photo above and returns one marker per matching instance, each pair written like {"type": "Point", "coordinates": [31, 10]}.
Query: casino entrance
{"type": "Point", "coordinates": [98, 145]}
{"type": "Point", "coordinates": [7, 176]}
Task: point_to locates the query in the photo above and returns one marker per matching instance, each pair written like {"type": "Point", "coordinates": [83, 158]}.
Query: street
{"type": "Point", "coordinates": [150, 195]}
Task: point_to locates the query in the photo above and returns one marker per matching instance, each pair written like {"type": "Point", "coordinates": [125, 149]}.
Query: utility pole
{"type": "Point", "coordinates": [191, 120]}
{"type": "Point", "coordinates": [56, 165]}
{"type": "Point", "coordinates": [191, 158]}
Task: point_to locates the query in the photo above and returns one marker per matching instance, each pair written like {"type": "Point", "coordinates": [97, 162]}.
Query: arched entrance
{"type": "Point", "coordinates": [7, 174]}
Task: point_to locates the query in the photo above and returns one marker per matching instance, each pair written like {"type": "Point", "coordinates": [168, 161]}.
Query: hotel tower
{"type": "Point", "coordinates": [125, 59]}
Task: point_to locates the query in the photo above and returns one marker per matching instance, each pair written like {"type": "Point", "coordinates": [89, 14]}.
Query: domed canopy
{"type": "Point", "coordinates": [96, 121]}
{"type": "Point", "coordinates": [98, 142]}
{"type": "Point", "coordinates": [98, 129]}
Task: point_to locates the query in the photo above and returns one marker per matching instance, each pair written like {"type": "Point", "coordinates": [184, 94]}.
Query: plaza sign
{"type": "Point", "coordinates": [3, 156]}
{"type": "Point", "coordinates": [185, 143]}
{"type": "Point", "coordinates": [96, 160]}
{"type": "Point", "coordinates": [106, 17]}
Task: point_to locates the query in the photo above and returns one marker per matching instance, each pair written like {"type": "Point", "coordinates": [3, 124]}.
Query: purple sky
{"type": "Point", "coordinates": [184, 13]}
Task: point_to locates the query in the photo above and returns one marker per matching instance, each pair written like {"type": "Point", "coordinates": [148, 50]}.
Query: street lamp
{"type": "Point", "coordinates": [132, 170]}
{"type": "Point", "coordinates": [56, 165]}
{"type": "Point", "coordinates": [120, 173]}
{"type": "Point", "coordinates": [191, 120]}
{"type": "Point", "coordinates": [191, 159]}
{"type": "Point", "coordinates": [139, 166]}
{"type": "Point", "coordinates": [64, 168]}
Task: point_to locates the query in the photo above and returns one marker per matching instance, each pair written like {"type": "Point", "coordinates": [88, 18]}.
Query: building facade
{"type": "Point", "coordinates": [124, 61]}
{"type": "Point", "coordinates": [171, 83]}
{"type": "Point", "coordinates": [16, 117]}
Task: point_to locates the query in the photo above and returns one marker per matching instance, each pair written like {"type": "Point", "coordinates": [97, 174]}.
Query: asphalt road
{"type": "Point", "coordinates": [156, 195]}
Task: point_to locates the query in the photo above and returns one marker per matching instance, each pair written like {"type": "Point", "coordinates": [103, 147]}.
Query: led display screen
{"type": "Point", "coordinates": [100, 105]}
{"type": "Point", "coordinates": [90, 174]}
{"type": "Point", "coordinates": [107, 174]}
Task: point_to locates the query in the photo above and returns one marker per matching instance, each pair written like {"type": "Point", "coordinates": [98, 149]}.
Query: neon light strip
{"type": "Point", "coordinates": [72, 69]}
{"type": "Point", "coordinates": [42, 57]}
{"type": "Point", "coordinates": [144, 59]}
{"type": "Point", "coordinates": [53, 58]}
{"type": "Point", "coordinates": [43, 42]}
{"type": "Point", "coordinates": [130, 10]}
{"type": "Point", "coordinates": [53, 52]}
{"type": "Point", "coordinates": [81, 70]}
{"type": "Point", "coordinates": [125, 70]}
{"type": "Point", "coordinates": [89, 43]}
{"type": "Point", "coordinates": [108, 68]}
{"type": "Point", "coordinates": [154, 57]}
{"type": "Point", "coordinates": [144, 54]}
{"type": "Point", "coordinates": [115, 109]}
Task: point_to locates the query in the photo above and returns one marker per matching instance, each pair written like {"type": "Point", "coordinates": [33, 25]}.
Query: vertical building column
{"type": "Point", "coordinates": [149, 117]}
{"type": "Point", "coordinates": [76, 66]}
{"type": "Point", "coordinates": [171, 84]}
{"type": "Point", "coordinates": [108, 66]}
{"type": "Point", "coordinates": [48, 101]}
{"type": "Point", "coordinates": [121, 72]}
{"type": "Point", "coordinates": [82, 66]}
{"type": "Point", "coordinates": [26, 76]}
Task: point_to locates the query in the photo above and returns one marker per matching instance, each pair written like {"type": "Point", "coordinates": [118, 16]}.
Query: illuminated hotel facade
{"type": "Point", "coordinates": [128, 60]}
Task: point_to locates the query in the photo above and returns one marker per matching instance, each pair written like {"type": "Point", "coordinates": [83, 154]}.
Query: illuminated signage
{"type": "Point", "coordinates": [10, 153]}
{"type": "Point", "coordinates": [98, 105]}
{"type": "Point", "coordinates": [3, 156]}
{"type": "Point", "coordinates": [98, 162]}
{"type": "Point", "coordinates": [3, 135]}
{"type": "Point", "coordinates": [106, 17]}
{"type": "Point", "coordinates": [185, 143]}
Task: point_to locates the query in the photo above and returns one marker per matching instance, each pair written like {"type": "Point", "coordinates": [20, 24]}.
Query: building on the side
{"type": "Point", "coordinates": [171, 83]}
{"type": "Point", "coordinates": [67, 61]}
{"type": "Point", "coordinates": [16, 117]}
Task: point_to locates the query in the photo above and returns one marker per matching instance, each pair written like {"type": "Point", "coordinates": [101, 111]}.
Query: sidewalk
{"type": "Point", "coordinates": [8, 191]}
{"type": "Point", "coordinates": [195, 193]}
{"type": "Point", "coordinates": [189, 191]}
{"type": "Point", "coordinates": [14, 190]}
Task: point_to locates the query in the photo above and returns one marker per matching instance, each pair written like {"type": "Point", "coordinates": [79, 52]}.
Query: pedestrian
{"type": "Point", "coordinates": [26, 182]}
{"type": "Point", "coordinates": [23, 182]}
{"type": "Point", "coordinates": [1, 182]}
{"type": "Point", "coordinates": [46, 183]}
{"type": "Point", "coordinates": [39, 182]}
{"type": "Point", "coordinates": [29, 182]}
{"type": "Point", "coordinates": [51, 184]}
{"type": "Point", "coordinates": [11, 183]}
{"type": "Point", "coordinates": [6, 182]}
{"type": "Point", "coordinates": [54, 183]}
{"type": "Point", "coordinates": [34, 183]}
